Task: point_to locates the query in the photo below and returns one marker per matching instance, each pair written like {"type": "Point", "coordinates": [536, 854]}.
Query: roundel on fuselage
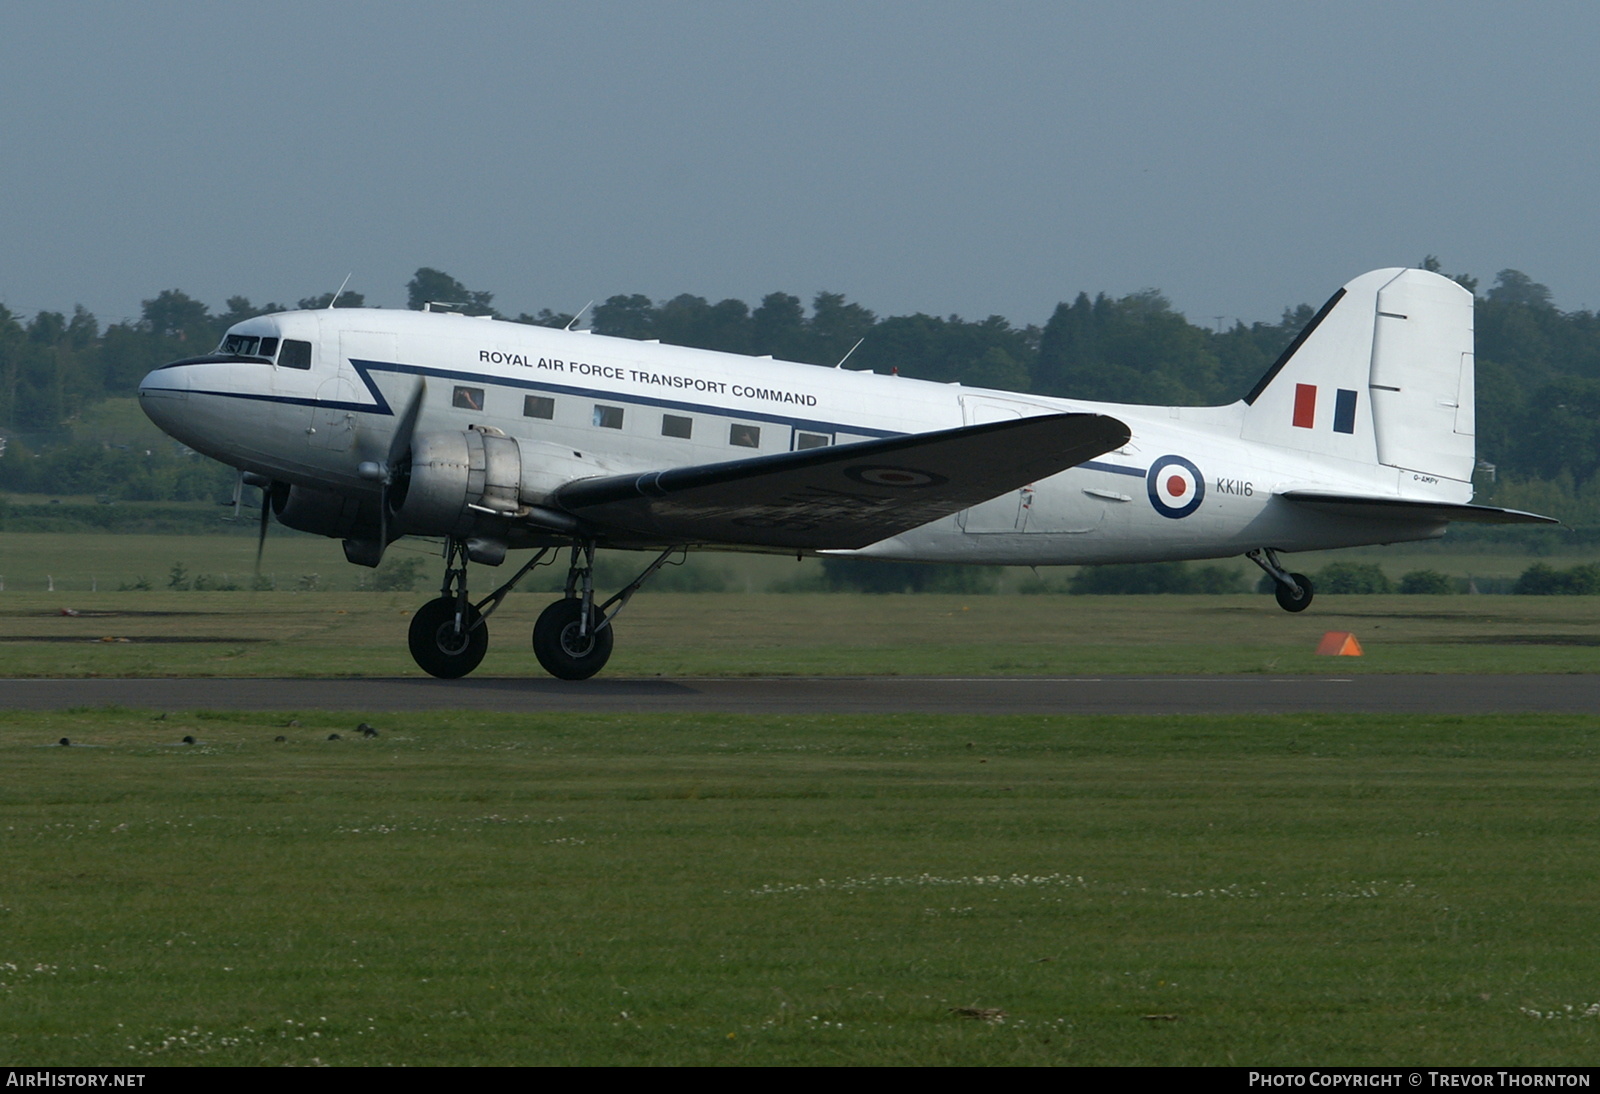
{"type": "Point", "coordinates": [1176, 486]}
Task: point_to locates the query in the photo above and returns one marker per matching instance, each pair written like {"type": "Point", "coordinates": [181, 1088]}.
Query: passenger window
{"type": "Point", "coordinates": [744, 436]}
{"type": "Point", "coordinates": [673, 425]}
{"type": "Point", "coordinates": [467, 398]}
{"type": "Point", "coordinates": [296, 354]}
{"type": "Point", "coordinates": [538, 406]}
{"type": "Point", "coordinates": [608, 417]}
{"type": "Point", "coordinates": [811, 440]}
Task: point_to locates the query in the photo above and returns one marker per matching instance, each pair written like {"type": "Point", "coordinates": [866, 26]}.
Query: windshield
{"type": "Point", "coordinates": [249, 345]}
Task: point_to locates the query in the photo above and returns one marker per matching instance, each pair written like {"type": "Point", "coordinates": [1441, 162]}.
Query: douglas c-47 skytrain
{"type": "Point", "coordinates": [369, 425]}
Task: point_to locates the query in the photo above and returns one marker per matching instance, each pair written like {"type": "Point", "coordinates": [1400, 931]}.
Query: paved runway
{"type": "Point", "coordinates": [1573, 694]}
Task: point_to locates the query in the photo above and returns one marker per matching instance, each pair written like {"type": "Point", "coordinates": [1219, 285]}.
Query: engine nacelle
{"type": "Point", "coordinates": [324, 512]}
{"type": "Point", "coordinates": [457, 480]}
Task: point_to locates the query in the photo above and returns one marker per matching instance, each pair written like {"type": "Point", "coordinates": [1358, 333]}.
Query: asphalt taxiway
{"type": "Point", "coordinates": [1441, 694]}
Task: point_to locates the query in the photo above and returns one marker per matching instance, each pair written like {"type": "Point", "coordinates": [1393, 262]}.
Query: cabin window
{"type": "Point", "coordinates": [467, 398]}
{"type": "Point", "coordinates": [674, 425]}
{"type": "Point", "coordinates": [744, 436]}
{"type": "Point", "coordinates": [608, 417]}
{"type": "Point", "coordinates": [538, 406]}
{"type": "Point", "coordinates": [296, 354]}
{"type": "Point", "coordinates": [811, 440]}
{"type": "Point", "coordinates": [269, 347]}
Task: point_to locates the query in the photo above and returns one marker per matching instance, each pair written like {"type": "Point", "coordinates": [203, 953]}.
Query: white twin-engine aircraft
{"type": "Point", "coordinates": [368, 425]}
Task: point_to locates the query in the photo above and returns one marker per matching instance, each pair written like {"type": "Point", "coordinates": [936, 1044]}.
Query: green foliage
{"type": "Point", "coordinates": [1135, 349]}
{"type": "Point", "coordinates": [546, 318]}
{"type": "Point", "coordinates": [164, 472]}
{"type": "Point", "coordinates": [862, 575]}
{"type": "Point", "coordinates": [1426, 583]}
{"type": "Point", "coordinates": [1538, 370]}
{"type": "Point", "coordinates": [347, 299]}
{"type": "Point", "coordinates": [695, 575]}
{"type": "Point", "coordinates": [430, 286]}
{"type": "Point", "coordinates": [174, 314]}
{"type": "Point", "coordinates": [1542, 580]}
{"type": "Point", "coordinates": [1146, 578]}
{"type": "Point", "coordinates": [1361, 578]}
{"type": "Point", "coordinates": [397, 575]}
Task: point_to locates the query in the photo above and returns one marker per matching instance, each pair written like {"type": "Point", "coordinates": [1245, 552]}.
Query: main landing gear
{"type": "Point", "coordinates": [1294, 590]}
{"type": "Point", "coordinates": [572, 638]}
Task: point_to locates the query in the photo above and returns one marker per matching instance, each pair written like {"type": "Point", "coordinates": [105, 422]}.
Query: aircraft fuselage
{"type": "Point", "coordinates": [1186, 485]}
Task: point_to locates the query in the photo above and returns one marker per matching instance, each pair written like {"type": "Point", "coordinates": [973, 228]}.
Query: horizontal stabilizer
{"type": "Point", "coordinates": [840, 497]}
{"type": "Point", "coordinates": [1363, 507]}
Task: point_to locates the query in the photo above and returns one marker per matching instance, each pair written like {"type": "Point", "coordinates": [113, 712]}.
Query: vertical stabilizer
{"type": "Point", "coordinates": [1381, 375]}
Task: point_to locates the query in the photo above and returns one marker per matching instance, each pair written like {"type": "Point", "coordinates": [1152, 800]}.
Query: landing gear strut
{"type": "Point", "coordinates": [448, 636]}
{"type": "Point", "coordinates": [572, 638]}
{"type": "Point", "coordinates": [1294, 590]}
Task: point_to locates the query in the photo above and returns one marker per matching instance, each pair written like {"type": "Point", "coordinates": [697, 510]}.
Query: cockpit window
{"type": "Point", "coordinates": [249, 345]}
{"type": "Point", "coordinates": [296, 354]}
{"type": "Point", "coordinates": [242, 345]}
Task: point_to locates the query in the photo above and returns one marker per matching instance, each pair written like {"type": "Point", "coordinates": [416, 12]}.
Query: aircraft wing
{"type": "Point", "coordinates": [845, 496]}
{"type": "Point", "coordinates": [1363, 507]}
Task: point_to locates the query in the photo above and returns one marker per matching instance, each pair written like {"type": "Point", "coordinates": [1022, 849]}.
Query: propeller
{"type": "Point", "coordinates": [390, 470]}
{"type": "Point", "coordinates": [266, 518]}
{"type": "Point", "coordinates": [264, 484]}
{"type": "Point", "coordinates": [238, 491]}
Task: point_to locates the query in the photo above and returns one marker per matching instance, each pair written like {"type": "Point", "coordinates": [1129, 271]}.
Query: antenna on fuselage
{"type": "Point", "coordinates": [340, 293]}
{"type": "Point", "coordinates": [853, 348]}
{"type": "Point", "coordinates": [575, 318]}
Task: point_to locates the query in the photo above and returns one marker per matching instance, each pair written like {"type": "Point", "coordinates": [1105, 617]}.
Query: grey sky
{"type": "Point", "coordinates": [936, 157]}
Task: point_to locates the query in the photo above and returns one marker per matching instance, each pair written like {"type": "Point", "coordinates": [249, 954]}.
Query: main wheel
{"type": "Point", "coordinates": [442, 650]}
{"type": "Point", "coordinates": [1288, 601]}
{"type": "Point", "coordinates": [564, 652]}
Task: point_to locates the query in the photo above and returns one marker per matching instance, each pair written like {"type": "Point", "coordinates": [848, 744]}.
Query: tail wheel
{"type": "Point", "coordinates": [1289, 600]}
{"type": "Point", "coordinates": [440, 647]}
{"type": "Point", "coordinates": [564, 652]}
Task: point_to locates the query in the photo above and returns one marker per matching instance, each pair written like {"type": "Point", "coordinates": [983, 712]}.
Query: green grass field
{"type": "Point", "coordinates": [822, 890]}
{"type": "Point", "coordinates": [475, 888]}
{"type": "Point", "coordinates": [730, 634]}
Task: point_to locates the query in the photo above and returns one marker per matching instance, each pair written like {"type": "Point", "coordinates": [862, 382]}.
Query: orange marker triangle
{"type": "Point", "coordinates": [1339, 644]}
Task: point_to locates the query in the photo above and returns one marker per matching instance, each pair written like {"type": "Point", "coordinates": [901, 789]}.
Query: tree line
{"type": "Point", "coordinates": [1538, 378]}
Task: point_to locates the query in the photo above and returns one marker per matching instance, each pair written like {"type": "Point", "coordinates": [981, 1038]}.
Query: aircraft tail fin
{"type": "Point", "coordinates": [1383, 374]}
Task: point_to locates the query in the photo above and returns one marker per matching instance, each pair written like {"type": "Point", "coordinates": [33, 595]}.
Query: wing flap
{"type": "Point", "coordinates": [1364, 507]}
{"type": "Point", "coordinates": [841, 497]}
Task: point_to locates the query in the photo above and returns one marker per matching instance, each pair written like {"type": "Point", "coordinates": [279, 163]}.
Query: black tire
{"type": "Point", "coordinates": [559, 648]}
{"type": "Point", "coordinates": [1288, 601]}
{"type": "Point", "coordinates": [438, 648]}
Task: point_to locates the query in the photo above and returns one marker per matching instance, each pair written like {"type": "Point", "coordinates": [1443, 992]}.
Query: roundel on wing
{"type": "Point", "coordinates": [1176, 486]}
{"type": "Point", "coordinates": [901, 478]}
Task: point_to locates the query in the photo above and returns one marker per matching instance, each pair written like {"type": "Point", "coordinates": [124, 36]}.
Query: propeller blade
{"type": "Point", "coordinates": [399, 445]}
{"type": "Point", "coordinates": [404, 427]}
{"type": "Point", "coordinates": [266, 517]}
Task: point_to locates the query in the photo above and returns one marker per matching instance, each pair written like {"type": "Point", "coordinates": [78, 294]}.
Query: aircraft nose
{"type": "Point", "coordinates": [163, 394]}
